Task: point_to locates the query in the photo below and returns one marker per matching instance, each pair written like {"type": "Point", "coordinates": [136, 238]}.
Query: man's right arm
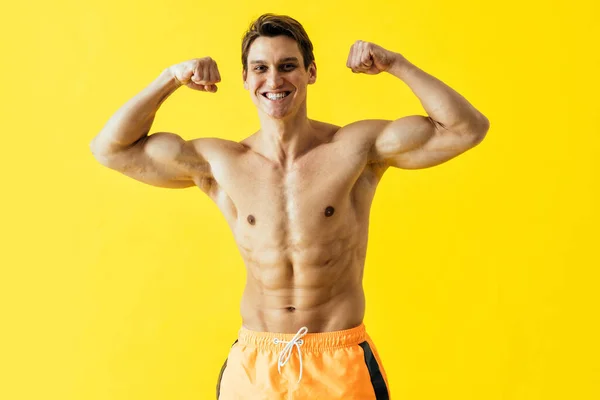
{"type": "Point", "coordinates": [161, 159]}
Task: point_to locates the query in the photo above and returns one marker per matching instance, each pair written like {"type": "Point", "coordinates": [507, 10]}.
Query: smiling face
{"type": "Point", "coordinates": [276, 77]}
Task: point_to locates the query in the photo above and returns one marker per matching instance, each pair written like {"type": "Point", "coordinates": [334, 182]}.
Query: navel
{"type": "Point", "coordinates": [291, 309]}
{"type": "Point", "coordinates": [251, 219]}
{"type": "Point", "coordinates": [329, 211]}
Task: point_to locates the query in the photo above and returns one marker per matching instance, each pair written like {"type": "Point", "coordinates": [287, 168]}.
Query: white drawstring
{"type": "Point", "coordinates": [286, 353]}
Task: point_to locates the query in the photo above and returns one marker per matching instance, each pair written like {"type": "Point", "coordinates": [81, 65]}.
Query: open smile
{"type": "Point", "coordinates": [276, 96]}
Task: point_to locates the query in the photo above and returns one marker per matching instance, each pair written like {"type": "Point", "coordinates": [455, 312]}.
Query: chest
{"type": "Point", "coordinates": [317, 194]}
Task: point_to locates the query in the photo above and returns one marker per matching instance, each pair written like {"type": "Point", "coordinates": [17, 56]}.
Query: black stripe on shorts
{"type": "Point", "coordinates": [221, 375]}
{"type": "Point", "coordinates": [381, 391]}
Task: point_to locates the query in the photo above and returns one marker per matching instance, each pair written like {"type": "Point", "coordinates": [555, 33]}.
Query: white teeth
{"type": "Point", "coordinates": [276, 96]}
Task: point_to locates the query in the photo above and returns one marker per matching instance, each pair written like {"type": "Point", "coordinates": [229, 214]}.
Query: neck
{"type": "Point", "coordinates": [286, 139]}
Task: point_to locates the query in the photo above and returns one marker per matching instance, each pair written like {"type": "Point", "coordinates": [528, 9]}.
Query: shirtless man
{"type": "Point", "coordinates": [297, 196]}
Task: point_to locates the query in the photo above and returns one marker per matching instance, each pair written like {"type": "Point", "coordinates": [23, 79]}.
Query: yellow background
{"type": "Point", "coordinates": [482, 273]}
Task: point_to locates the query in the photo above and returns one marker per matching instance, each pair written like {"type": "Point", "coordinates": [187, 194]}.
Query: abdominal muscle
{"type": "Point", "coordinates": [324, 296]}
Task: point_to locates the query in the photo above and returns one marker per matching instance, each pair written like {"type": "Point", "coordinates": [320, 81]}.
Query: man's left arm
{"type": "Point", "coordinates": [451, 127]}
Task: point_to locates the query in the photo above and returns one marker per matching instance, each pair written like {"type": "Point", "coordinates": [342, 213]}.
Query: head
{"type": "Point", "coordinates": [278, 62]}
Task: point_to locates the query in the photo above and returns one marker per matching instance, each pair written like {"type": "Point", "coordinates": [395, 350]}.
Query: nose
{"type": "Point", "coordinates": [274, 79]}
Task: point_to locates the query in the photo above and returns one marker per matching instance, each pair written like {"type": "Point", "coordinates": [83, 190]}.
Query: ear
{"type": "Point", "coordinates": [244, 76]}
{"type": "Point", "coordinates": [312, 71]}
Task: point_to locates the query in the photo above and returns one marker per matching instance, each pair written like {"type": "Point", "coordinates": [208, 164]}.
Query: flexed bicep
{"type": "Point", "coordinates": [162, 159]}
{"type": "Point", "coordinates": [416, 141]}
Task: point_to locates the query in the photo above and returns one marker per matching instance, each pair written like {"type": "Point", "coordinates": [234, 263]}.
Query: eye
{"type": "Point", "coordinates": [260, 68]}
{"type": "Point", "coordinates": [288, 67]}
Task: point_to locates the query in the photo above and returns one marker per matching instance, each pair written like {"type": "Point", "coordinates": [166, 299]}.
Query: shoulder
{"type": "Point", "coordinates": [367, 127]}
{"type": "Point", "coordinates": [352, 131]}
{"type": "Point", "coordinates": [364, 132]}
{"type": "Point", "coordinates": [217, 146]}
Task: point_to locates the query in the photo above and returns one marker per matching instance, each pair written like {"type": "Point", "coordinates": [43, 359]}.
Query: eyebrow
{"type": "Point", "coordinates": [287, 59]}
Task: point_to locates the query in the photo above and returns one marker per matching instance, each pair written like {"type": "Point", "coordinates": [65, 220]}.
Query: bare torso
{"type": "Point", "coordinates": [301, 228]}
{"type": "Point", "coordinates": [300, 219]}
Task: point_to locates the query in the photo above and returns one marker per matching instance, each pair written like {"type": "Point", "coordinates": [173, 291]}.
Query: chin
{"type": "Point", "coordinates": [279, 114]}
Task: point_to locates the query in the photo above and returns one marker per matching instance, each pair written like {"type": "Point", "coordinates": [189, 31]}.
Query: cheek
{"type": "Point", "coordinates": [302, 82]}
{"type": "Point", "coordinates": [252, 88]}
{"type": "Point", "coordinates": [255, 84]}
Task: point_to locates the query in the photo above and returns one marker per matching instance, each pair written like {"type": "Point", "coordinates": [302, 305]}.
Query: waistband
{"type": "Point", "coordinates": [311, 341]}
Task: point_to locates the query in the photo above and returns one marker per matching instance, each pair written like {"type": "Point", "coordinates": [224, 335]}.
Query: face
{"type": "Point", "coordinates": [276, 77]}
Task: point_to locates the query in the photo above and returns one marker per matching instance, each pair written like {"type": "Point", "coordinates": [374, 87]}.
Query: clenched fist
{"type": "Point", "coordinates": [199, 74]}
{"type": "Point", "coordinates": [369, 58]}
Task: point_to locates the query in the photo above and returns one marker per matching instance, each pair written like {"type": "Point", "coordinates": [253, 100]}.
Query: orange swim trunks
{"type": "Point", "coordinates": [329, 366]}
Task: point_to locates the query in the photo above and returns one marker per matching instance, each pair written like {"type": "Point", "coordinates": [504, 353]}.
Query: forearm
{"type": "Point", "coordinates": [442, 103]}
{"type": "Point", "coordinates": [134, 119]}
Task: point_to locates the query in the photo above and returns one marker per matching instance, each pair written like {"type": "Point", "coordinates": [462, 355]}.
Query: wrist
{"type": "Point", "coordinates": [400, 66]}
{"type": "Point", "coordinates": [169, 79]}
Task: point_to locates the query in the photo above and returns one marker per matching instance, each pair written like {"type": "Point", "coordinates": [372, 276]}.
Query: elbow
{"type": "Point", "coordinates": [96, 151]}
{"type": "Point", "coordinates": [93, 147]}
{"type": "Point", "coordinates": [478, 129]}
{"type": "Point", "coordinates": [484, 125]}
{"type": "Point", "coordinates": [484, 128]}
{"type": "Point", "coordinates": [100, 154]}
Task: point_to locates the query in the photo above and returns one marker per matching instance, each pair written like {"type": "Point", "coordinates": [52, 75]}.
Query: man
{"type": "Point", "coordinates": [296, 195]}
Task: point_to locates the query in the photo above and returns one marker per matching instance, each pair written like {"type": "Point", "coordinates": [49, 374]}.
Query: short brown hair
{"type": "Point", "coordinates": [272, 25]}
